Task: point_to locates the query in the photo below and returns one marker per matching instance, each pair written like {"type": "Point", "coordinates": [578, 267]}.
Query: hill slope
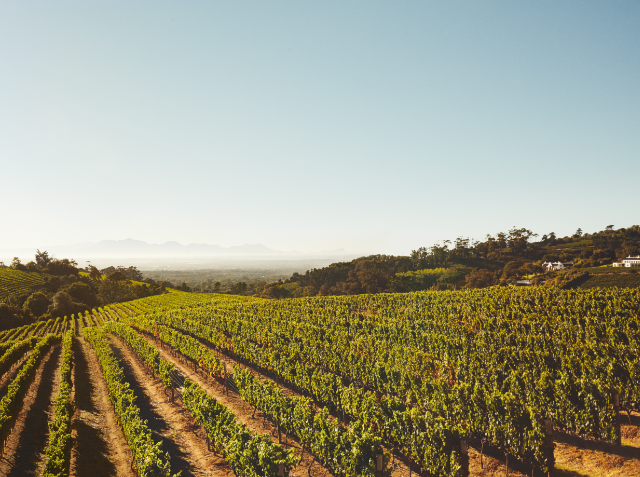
{"type": "Point", "coordinates": [15, 282]}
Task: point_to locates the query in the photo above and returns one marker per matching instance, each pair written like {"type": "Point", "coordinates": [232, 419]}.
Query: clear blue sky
{"type": "Point", "coordinates": [374, 126]}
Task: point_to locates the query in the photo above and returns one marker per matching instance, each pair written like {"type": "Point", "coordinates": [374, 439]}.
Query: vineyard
{"type": "Point", "coordinates": [534, 381]}
{"type": "Point", "coordinates": [15, 282]}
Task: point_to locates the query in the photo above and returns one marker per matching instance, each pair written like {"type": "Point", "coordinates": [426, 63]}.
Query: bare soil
{"type": "Point", "coordinates": [9, 375]}
{"type": "Point", "coordinates": [255, 421]}
{"type": "Point", "coordinates": [575, 456]}
{"type": "Point", "coordinates": [400, 464]}
{"type": "Point", "coordinates": [100, 449]}
{"type": "Point", "coordinates": [24, 454]}
{"type": "Point", "coordinates": [170, 422]}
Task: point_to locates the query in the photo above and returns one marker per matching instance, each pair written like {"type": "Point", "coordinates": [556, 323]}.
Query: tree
{"type": "Point", "coordinates": [37, 304]}
{"type": "Point", "coordinates": [519, 240]}
{"type": "Point", "coordinates": [94, 273]}
{"type": "Point", "coordinates": [16, 264]}
{"type": "Point", "coordinates": [83, 293]}
{"type": "Point", "coordinates": [132, 273]}
{"type": "Point", "coordinates": [10, 316]}
{"type": "Point", "coordinates": [501, 240]}
{"type": "Point", "coordinates": [117, 276]}
{"type": "Point", "coordinates": [31, 267]}
{"type": "Point", "coordinates": [275, 290]}
{"type": "Point", "coordinates": [479, 278]}
{"type": "Point", "coordinates": [114, 291]}
{"type": "Point", "coordinates": [108, 271]}
{"type": "Point", "coordinates": [578, 233]}
{"type": "Point", "coordinates": [369, 276]}
{"type": "Point", "coordinates": [216, 287]}
{"type": "Point", "coordinates": [63, 267]}
{"type": "Point", "coordinates": [42, 259]}
{"type": "Point", "coordinates": [63, 305]}
{"type": "Point", "coordinates": [238, 288]}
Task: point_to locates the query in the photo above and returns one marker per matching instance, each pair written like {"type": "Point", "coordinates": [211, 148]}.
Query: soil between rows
{"type": "Point", "coordinates": [100, 449]}
{"type": "Point", "coordinates": [399, 466]}
{"type": "Point", "coordinates": [575, 457]}
{"type": "Point", "coordinates": [24, 453]}
{"type": "Point", "coordinates": [244, 412]}
{"type": "Point", "coordinates": [170, 423]}
{"type": "Point", "coordinates": [9, 375]}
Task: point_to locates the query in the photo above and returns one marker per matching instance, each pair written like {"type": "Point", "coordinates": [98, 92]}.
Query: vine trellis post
{"type": "Point", "coordinates": [551, 461]}
{"type": "Point", "coordinates": [616, 408]}
{"type": "Point", "coordinates": [464, 458]}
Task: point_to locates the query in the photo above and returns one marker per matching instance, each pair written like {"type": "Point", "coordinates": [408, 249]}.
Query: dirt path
{"type": "Point", "coordinates": [244, 413]}
{"type": "Point", "coordinates": [26, 444]}
{"type": "Point", "coordinates": [97, 317]}
{"type": "Point", "coordinates": [575, 457]}
{"type": "Point", "coordinates": [170, 422]}
{"type": "Point", "coordinates": [100, 449]}
{"type": "Point", "coordinates": [399, 464]}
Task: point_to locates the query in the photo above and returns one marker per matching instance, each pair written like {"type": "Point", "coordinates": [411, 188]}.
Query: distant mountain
{"type": "Point", "coordinates": [139, 248]}
{"type": "Point", "coordinates": [129, 249]}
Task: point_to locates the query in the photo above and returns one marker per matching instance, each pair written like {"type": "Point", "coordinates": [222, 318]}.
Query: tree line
{"type": "Point", "coordinates": [67, 290]}
{"type": "Point", "coordinates": [499, 259]}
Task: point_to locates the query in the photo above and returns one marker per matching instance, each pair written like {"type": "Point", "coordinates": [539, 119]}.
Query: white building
{"type": "Point", "coordinates": [628, 262]}
{"type": "Point", "coordinates": [549, 266]}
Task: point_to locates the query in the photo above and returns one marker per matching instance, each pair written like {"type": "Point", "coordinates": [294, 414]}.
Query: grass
{"type": "Point", "coordinates": [628, 280]}
{"type": "Point", "coordinates": [607, 270]}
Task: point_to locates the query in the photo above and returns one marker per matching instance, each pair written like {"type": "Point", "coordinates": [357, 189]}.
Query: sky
{"type": "Point", "coordinates": [377, 127]}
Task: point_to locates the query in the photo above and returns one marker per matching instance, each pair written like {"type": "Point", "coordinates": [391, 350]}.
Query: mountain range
{"type": "Point", "coordinates": [130, 248]}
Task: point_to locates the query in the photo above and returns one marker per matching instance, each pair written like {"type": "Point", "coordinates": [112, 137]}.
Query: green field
{"type": "Point", "coordinates": [620, 280]}
{"type": "Point", "coordinates": [413, 374]}
{"type": "Point", "coordinates": [15, 282]}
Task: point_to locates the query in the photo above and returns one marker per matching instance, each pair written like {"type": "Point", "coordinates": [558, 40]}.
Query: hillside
{"type": "Point", "coordinates": [16, 282]}
{"type": "Point", "coordinates": [503, 259]}
{"type": "Point", "coordinates": [505, 381]}
{"type": "Point", "coordinates": [46, 287]}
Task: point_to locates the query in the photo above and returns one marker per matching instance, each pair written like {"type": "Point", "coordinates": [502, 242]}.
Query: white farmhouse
{"type": "Point", "coordinates": [628, 262]}
{"type": "Point", "coordinates": [549, 266]}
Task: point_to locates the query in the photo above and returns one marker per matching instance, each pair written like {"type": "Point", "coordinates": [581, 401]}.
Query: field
{"type": "Point", "coordinates": [430, 383]}
{"type": "Point", "coordinates": [620, 280]}
{"type": "Point", "coordinates": [15, 282]}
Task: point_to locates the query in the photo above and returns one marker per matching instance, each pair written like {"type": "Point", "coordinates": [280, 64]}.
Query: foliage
{"type": "Point", "coordinates": [344, 450]}
{"type": "Point", "coordinates": [147, 455]}
{"type": "Point", "coordinates": [486, 363]}
{"type": "Point", "coordinates": [13, 352]}
{"type": "Point", "coordinates": [249, 455]}
{"type": "Point", "coordinates": [58, 451]}
{"type": "Point", "coordinates": [566, 279]}
{"type": "Point", "coordinates": [146, 350]}
{"type": "Point", "coordinates": [37, 304]}
{"type": "Point", "coordinates": [416, 280]}
{"type": "Point", "coordinates": [620, 280]}
{"type": "Point", "coordinates": [186, 345]}
{"type": "Point", "coordinates": [63, 304]}
{"type": "Point", "coordinates": [13, 399]}
{"type": "Point", "coordinates": [14, 282]}
{"type": "Point", "coordinates": [83, 293]}
{"type": "Point", "coordinates": [128, 273]}
{"type": "Point", "coordinates": [506, 256]}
